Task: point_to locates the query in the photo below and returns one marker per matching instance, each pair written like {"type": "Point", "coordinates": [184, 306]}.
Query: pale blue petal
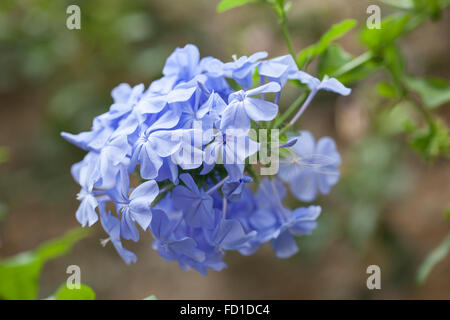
{"type": "Point", "coordinates": [260, 110]}
{"type": "Point", "coordinates": [128, 229]}
{"type": "Point", "coordinates": [235, 116]}
{"type": "Point", "coordinates": [266, 88]}
{"type": "Point", "coordinates": [335, 86]}
{"type": "Point", "coordinates": [305, 144]}
{"type": "Point", "coordinates": [86, 214]}
{"type": "Point", "coordinates": [304, 186]}
{"type": "Point", "coordinates": [284, 246]}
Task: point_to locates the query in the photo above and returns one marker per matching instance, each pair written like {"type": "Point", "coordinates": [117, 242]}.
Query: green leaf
{"type": "Point", "coordinates": [335, 32]}
{"type": "Point", "coordinates": [225, 5]}
{"type": "Point", "coordinates": [400, 4]}
{"type": "Point", "coordinates": [83, 293]}
{"type": "Point", "coordinates": [433, 91]}
{"type": "Point", "coordinates": [392, 27]}
{"type": "Point", "coordinates": [393, 61]}
{"type": "Point", "coordinates": [433, 258]}
{"type": "Point", "coordinates": [19, 275]}
{"type": "Point", "coordinates": [444, 3]}
{"type": "Point", "coordinates": [387, 90]}
{"type": "Point", "coordinates": [335, 58]}
{"type": "Point", "coordinates": [431, 142]}
{"type": "Point", "coordinates": [391, 121]}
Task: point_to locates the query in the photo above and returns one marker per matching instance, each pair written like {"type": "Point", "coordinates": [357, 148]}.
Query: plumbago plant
{"type": "Point", "coordinates": [189, 143]}
{"type": "Point", "coordinates": [181, 157]}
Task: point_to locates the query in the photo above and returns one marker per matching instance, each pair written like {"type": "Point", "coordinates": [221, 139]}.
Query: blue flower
{"type": "Point", "coordinates": [327, 84]}
{"type": "Point", "coordinates": [154, 144]}
{"type": "Point", "coordinates": [241, 70]}
{"type": "Point", "coordinates": [191, 117]}
{"type": "Point", "coordinates": [300, 221]}
{"type": "Point", "coordinates": [134, 207]}
{"type": "Point", "coordinates": [310, 167]}
{"type": "Point", "coordinates": [190, 153]}
{"type": "Point", "coordinates": [125, 99]}
{"type": "Point", "coordinates": [112, 157]}
{"type": "Point", "coordinates": [215, 72]}
{"type": "Point", "coordinates": [86, 214]}
{"type": "Point", "coordinates": [279, 69]}
{"type": "Point", "coordinates": [112, 227]}
{"type": "Point", "coordinates": [242, 107]}
{"type": "Point", "coordinates": [92, 140]}
{"type": "Point", "coordinates": [168, 245]}
{"type": "Point", "coordinates": [278, 224]}
{"type": "Point", "coordinates": [232, 189]}
{"type": "Point", "coordinates": [183, 63]}
{"type": "Point", "coordinates": [230, 149]}
{"type": "Point", "coordinates": [212, 107]}
{"type": "Point", "coordinates": [230, 235]}
{"type": "Point", "coordinates": [196, 204]}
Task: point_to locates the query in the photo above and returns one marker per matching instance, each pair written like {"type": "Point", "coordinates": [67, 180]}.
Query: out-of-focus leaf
{"type": "Point", "coordinates": [387, 90]}
{"type": "Point", "coordinates": [83, 293]}
{"type": "Point", "coordinates": [335, 32]}
{"type": "Point", "coordinates": [433, 91]}
{"type": "Point", "coordinates": [400, 4]}
{"type": "Point", "coordinates": [391, 121]}
{"type": "Point", "coordinates": [444, 3]}
{"type": "Point", "coordinates": [225, 5]}
{"type": "Point", "coordinates": [152, 297]}
{"type": "Point", "coordinates": [19, 275]}
{"type": "Point", "coordinates": [363, 222]}
{"type": "Point", "coordinates": [335, 58]}
{"type": "Point", "coordinates": [391, 28]}
{"type": "Point", "coordinates": [431, 142]}
{"type": "Point", "coordinates": [433, 258]}
{"type": "Point", "coordinates": [393, 61]}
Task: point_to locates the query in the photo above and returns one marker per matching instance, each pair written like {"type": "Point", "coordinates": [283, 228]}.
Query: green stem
{"type": "Point", "coordinates": [353, 64]}
{"type": "Point", "coordinates": [278, 6]}
{"type": "Point", "coordinates": [284, 129]}
{"type": "Point", "coordinates": [279, 121]}
{"type": "Point", "coordinates": [416, 103]}
{"type": "Point", "coordinates": [286, 35]}
{"type": "Point", "coordinates": [160, 196]}
{"type": "Point", "coordinates": [252, 173]}
{"type": "Point", "coordinates": [419, 106]}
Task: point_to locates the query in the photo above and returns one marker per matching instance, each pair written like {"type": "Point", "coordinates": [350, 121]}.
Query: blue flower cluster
{"type": "Point", "coordinates": [172, 158]}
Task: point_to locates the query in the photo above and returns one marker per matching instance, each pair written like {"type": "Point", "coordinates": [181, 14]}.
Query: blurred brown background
{"type": "Point", "coordinates": [388, 208]}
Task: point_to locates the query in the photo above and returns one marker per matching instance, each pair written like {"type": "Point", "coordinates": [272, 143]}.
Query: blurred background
{"type": "Point", "coordinates": [388, 208]}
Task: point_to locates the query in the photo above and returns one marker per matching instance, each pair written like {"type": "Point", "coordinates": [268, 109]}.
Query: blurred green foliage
{"type": "Point", "coordinates": [67, 75]}
{"type": "Point", "coordinates": [433, 258]}
{"type": "Point", "coordinates": [83, 293]}
{"type": "Point", "coordinates": [225, 5]}
{"type": "Point", "coordinates": [335, 32]}
{"type": "Point", "coordinates": [19, 275]}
